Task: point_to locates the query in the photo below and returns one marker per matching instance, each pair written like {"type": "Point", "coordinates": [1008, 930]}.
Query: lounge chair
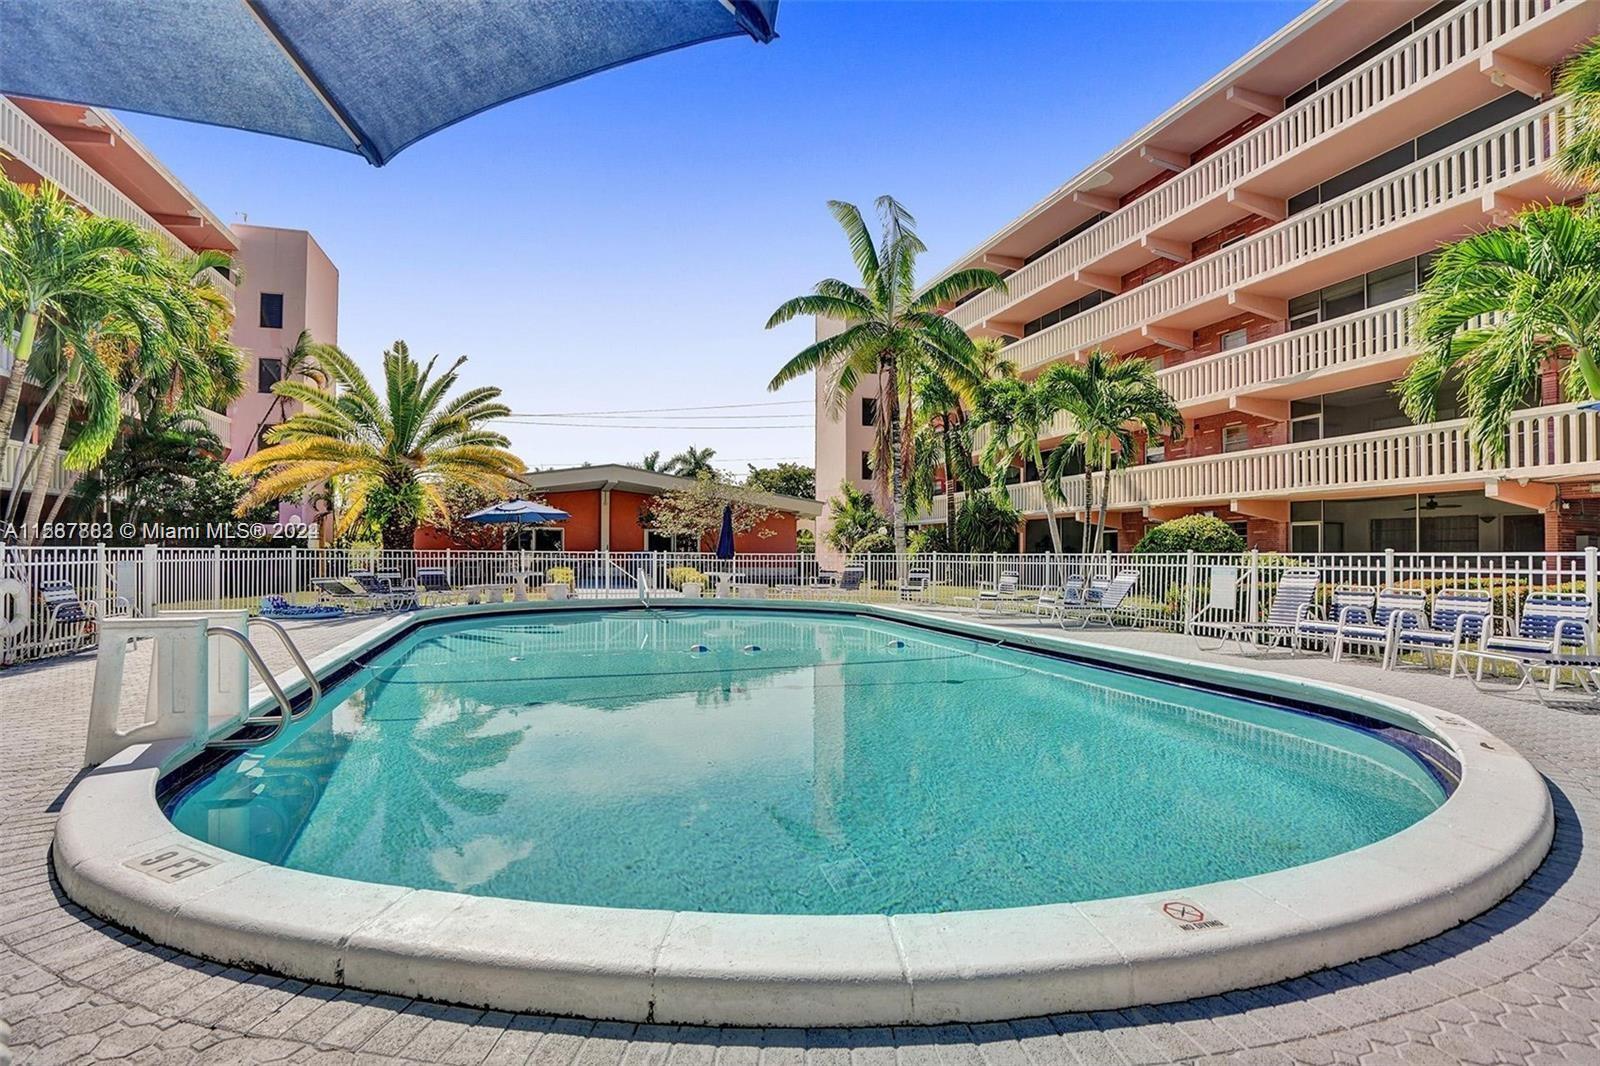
{"type": "Point", "coordinates": [1349, 607]}
{"type": "Point", "coordinates": [1459, 618]}
{"type": "Point", "coordinates": [276, 607]}
{"type": "Point", "coordinates": [70, 620]}
{"type": "Point", "coordinates": [1293, 601]}
{"type": "Point", "coordinates": [1393, 608]}
{"type": "Point", "coordinates": [337, 591]}
{"type": "Point", "coordinates": [1051, 600]}
{"type": "Point", "coordinates": [916, 586]}
{"type": "Point", "coordinates": [1553, 634]}
{"type": "Point", "coordinates": [1100, 605]}
{"type": "Point", "coordinates": [434, 585]}
{"type": "Point", "coordinates": [1000, 592]}
{"type": "Point", "coordinates": [386, 593]}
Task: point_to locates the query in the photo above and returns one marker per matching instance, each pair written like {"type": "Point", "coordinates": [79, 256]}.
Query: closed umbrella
{"type": "Point", "coordinates": [364, 76]}
{"type": "Point", "coordinates": [725, 540]}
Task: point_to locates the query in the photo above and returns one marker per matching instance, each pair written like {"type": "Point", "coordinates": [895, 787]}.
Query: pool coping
{"type": "Point", "coordinates": [116, 854]}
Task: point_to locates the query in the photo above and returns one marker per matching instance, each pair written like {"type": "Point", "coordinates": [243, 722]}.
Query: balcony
{"type": "Point", "coordinates": [1430, 201]}
{"type": "Point", "coordinates": [36, 149]}
{"type": "Point", "coordinates": [1435, 74]}
{"type": "Point", "coordinates": [1545, 444]}
{"type": "Point", "coordinates": [60, 477]}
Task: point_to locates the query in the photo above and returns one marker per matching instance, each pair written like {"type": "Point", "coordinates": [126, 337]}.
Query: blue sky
{"type": "Point", "coordinates": [618, 243]}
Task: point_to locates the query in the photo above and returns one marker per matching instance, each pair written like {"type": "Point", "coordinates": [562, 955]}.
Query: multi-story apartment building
{"type": "Point", "coordinates": [281, 283]}
{"type": "Point", "coordinates": [1262, 242]}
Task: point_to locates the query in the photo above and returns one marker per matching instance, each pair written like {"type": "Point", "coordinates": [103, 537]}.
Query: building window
{"type": "Point", "coordinates": [1235, 438]}
{"type": "Point", "coordinates": [268, 373]}
{"type": "Point", "coordinates": [1155, 450]}
{"type": "Point", "coordinates": [1235, 338]}
{"type": "Point", "coordinates": [657, 541]}
{"type": "Point", "coordinates": [869, 411]}
{"type": "Point", "coordinates": [272, 310]}
{"type": "Point", "coordinates": [866, 466]}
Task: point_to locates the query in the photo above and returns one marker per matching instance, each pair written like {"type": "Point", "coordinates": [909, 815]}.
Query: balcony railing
{"type": "Point", "coordinates": [30, 143]}
{"type": "Point", "coordinates": [1547, 442]}
{"type": "Point", "coordinates": [1509, 152]}
{"type": "Point", "coordinates": [1440, 46]}
{"type": "Point", "coordinates": [60, 477]}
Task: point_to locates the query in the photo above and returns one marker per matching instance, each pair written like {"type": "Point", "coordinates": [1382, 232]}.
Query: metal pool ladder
{"type": "Point", "coordinates": [286, 712]}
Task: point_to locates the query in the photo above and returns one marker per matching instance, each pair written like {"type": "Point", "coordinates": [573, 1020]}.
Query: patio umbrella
{"type": "Point", "coordinates": [519, 512]}
{"type": "Point", "coordinates": [725, 539]}
{"type": "Point", "coordinates": [365, 76]}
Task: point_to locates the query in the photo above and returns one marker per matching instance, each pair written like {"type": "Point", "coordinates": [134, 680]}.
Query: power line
{"type": "Point", "coordinates": [651, 425]}
{"type": "Point", "coordinates": [659, 410]}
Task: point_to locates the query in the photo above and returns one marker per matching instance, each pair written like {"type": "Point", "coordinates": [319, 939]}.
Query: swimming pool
{"type": "Point", "coordinates": [796, 763]}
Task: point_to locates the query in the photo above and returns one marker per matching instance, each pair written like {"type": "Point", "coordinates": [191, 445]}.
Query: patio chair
{"type": "Point", "coordinates": [336, 591]}
{"type": "Point", "coordinates": [70, 620]}
{"type": "Point", "coordinates": [1553, 635]}
{"type": "Point", "coordinates": [1349, 606]}
{"type": "Point", "coordinates": [1051, 600]}
{"type": "Point", "coordinates": [1393, 608]}
{"type": "Point", "coordinates": [386, 593]}
{"type": "Point", "coordinates": [1293, 601]}
{"type": "Point", "coordinates": [918, 582]}
{"type": "Point", "coordinates": [851, 578]}
{"type": "Point", "coordinates": [433, 584]}
{"type": "Point", "coordinates": [1100, 605]}
{"type": "Point", "coordinates": [1459, 618]}
{"type": "Point", "coordinates": [280, 609]}
{"type": "Point", "coordinates": [1000, 592]}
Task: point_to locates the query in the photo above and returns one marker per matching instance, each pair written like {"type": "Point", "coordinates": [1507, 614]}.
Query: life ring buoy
{"type": "Point", "coordinates": [13, 607]}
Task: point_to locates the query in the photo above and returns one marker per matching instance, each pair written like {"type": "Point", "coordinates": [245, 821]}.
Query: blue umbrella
{"type": "Point", "coordinates": [520, 512]}
{"type": "Point", "coordinates": [365, 76]}
{"type": "Point", "coordinates": [725, 540]}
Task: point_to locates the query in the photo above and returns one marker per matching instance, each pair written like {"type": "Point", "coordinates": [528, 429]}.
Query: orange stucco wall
{"type": "Point", "coordinates": [583, 528]}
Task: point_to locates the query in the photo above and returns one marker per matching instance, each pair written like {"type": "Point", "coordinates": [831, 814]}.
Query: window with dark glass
{"type": "Point", "coordinates": [272, 310]}
{"type": "Point", "coordinates": [866, 466]}
{"type": "Point", "coordinates": [869, 411]}
{"type": "Point", "coordinates": [268, 373]}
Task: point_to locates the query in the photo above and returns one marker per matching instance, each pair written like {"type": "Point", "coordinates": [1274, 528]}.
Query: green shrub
{"type": "Point", "coordinates": [1196, 532]}
{"type": "Point", "coordinates": [927, 540]}
{"type": "Point", "coordinates": [562, 575]}
{"type": "Point", "coordinates": [987, 523]}
{"type": "Point", "coordinates": [678, 576]}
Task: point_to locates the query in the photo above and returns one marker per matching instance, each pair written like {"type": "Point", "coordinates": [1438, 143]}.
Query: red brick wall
{"type": "Point", "coordinates": [1576, 511]}
{"type": "Point", "coordinates": [1206, 245]}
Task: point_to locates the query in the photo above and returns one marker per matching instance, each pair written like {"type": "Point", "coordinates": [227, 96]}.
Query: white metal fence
{"type": "Point", "coordinates": [1170, 588]}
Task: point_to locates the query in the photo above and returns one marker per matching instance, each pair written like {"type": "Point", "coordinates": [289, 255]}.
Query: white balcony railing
{"type": "Point", "coordinates": [1511, 151]}
{"type": "Point", "coordinates": [22, 137]}
{"type": "Point", "coordinates": [1438, 47]}
{"type": "Point", "coordinates": [60, 477]}
{"type": "Point", "coordinates": [1547, 442]}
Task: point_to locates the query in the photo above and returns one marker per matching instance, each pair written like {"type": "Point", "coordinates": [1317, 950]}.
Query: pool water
{"type": "Point", "coordinates": [790, 763]}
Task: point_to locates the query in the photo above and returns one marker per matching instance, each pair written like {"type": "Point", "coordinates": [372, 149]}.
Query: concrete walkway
{"type": "Point", "coordinates": [1520, 984]}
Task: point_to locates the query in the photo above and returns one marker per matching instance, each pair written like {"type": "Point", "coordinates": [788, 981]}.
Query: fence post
{"type": "Point", "coordinates": [294, 569]}
{"type": "Point", "coordinates": [1388, 568]}
{"type": "Point", "coordinates": [150, 587]}
{"type": "Point", "coordinates": [1252, 604]}
{"type": "Point", "coordinates": [1190, 573]}
{"type": "Point", "coordinates": [1590, 561]}
{"type": "Point", "coordinates": [102, 594]}
{"type": "Point", "coordinates": [216, 576]}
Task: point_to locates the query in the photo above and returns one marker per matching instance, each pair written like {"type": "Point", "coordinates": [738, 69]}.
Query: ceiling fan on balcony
{"type": "Point", "coordinates": [1433, 504]}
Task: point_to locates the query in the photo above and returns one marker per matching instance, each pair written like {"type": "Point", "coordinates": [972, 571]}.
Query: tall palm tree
{"type": "Point", "coordinates": [1579, 161]}
{"type": "Point", "coordinates": [947, 404]}
{"type": "Point", "coordinates": [391, 454]}
{"type": "Point", "coordinates": [1108, 398]}
{"type": "Point", "coordinates": [652, 462]}
{"type": "Point", "coordinates": [891, 332]}
{"type": "Point", "coordinates": [300, 360]}
{"type": "Point", "coordinates": [1499, 306]}
{"type": "Point", "coordinates": [692, 462]}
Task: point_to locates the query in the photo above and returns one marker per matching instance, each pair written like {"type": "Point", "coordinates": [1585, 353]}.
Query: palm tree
{"type": "Point", "coordinates": [391, 454]}
{"type": "Point", "coordinates": [652, 462]}
{"type": "Point", "coordinates": [1499, 306]}
{"type": "Point", "coordinates": [1579, 161]}
{"type": "Point", "coordinates": [890, 332]}
{"type": "Point", "coordinates": [299, 360]}
{"type": "Point", "coordinates": [1108, 398]}
{"type": "Point", "coordinates": [691, 462]}
{"type": "Point", "coordinates": [1018, 413]}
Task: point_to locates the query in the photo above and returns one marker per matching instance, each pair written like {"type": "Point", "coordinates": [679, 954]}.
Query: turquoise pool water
{"type": "Point", "coordinates": [802, 763]}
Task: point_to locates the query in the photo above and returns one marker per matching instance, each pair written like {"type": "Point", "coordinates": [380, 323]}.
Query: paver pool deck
{"type": "Point", "coordinates": [1519, 984]}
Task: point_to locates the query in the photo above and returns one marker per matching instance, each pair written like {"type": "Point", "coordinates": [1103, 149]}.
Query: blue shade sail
{"type": "Point", "coordinates": [365, 76]}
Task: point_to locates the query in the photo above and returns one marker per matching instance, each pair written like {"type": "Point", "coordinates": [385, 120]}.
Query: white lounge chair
{"type": "Point", "coordinates": [917, 585]}
{"type": "Point", "coordinates": [1005, 589]}
{"type": "Point", "coordinates": [1552, 635]}
{"type": "Point", "coordinates": [1293, 600]}
{"type": "Point", "coordinates": [1458, 619]}
{"type": "Point", "coordinates": [1100, 605]}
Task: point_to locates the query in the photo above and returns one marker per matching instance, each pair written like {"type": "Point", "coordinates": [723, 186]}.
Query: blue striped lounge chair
{"type": "Point", "coordinates": [1392, 609]}
{"type": "Point", "coordinates": [1348, 607]}
{"type": "Point", "coordinates": [70, 620]}
{"type": "Point", "coordinates": [1553, 634]}
{"type": "Point", "coordinates": [1458, 619]}
{"type": "Point", "coordinates": [1100, 605]}
{"type": "Point", "coordinates": [1005, 590]}
{"type": "Point", "coordinates": [1293, 601]}
{"type": "Point", "coordinates": [1051, 600]}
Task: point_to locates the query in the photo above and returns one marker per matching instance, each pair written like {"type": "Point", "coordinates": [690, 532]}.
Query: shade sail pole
{"type": "Point", "coordinates": [346, 123]}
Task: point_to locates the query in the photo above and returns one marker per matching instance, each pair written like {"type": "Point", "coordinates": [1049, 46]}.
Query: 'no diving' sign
{"type": "Point", "coordinates": [1190, 917]}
